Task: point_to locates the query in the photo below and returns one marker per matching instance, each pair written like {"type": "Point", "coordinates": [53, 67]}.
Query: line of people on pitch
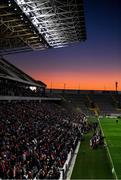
{"type": "Point", "coordinates": [97, 139]}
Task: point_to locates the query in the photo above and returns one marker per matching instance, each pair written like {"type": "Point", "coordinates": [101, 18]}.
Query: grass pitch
{"type": "Point", "coordinates": [91, 164]}
{"type": "Point", "coordinates": [112, 132]}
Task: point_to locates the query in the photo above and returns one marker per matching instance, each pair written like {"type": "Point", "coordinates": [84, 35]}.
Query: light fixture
{"type": "Point", "coordinates": [56, 26]}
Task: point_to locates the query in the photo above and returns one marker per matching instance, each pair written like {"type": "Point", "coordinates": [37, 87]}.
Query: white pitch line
{"type": "Point", "coordinates": [108, 152]}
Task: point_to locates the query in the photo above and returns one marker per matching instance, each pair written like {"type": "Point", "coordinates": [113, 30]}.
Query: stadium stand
{"type": "Point", "coordinates": [117, 100]}
{"type": "Point", "coordinates": [80, 101]}
{"type": "Point", "coordinates": [90, 102]}
{"type": "Point", "coordinates": [36, 138]}
{"type": "Point", "coordinates": [103, 103]}
{"type": "Point", "coordinates": [14, 82]}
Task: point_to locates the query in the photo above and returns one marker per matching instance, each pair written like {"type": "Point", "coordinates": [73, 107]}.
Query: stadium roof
{"type": "Point", "coordinates": [39, 24]}
{"type": "Point", "coordinates": [9, 71]}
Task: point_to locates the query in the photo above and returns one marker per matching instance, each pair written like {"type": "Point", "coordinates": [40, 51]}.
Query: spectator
{"type": "Point", "coordinates": [35, 139]}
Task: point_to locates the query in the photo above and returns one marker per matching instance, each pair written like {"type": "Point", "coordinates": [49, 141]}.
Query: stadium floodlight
{"type": "Point", "coordinates": [56, 21]}
{"type": "Point", "coordinates": [21, 2]}
{"type": "Point", "coordinates": [33, 88]}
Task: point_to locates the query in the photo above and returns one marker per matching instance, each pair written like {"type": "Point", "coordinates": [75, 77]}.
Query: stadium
{"type": "Point", "coordinates": [47, 131]}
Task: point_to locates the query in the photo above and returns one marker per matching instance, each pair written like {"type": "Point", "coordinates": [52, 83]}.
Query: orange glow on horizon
{"type": "Point", "coordinates": [80, 81]}
{"type": "Point", "coordinates": [95, 86]}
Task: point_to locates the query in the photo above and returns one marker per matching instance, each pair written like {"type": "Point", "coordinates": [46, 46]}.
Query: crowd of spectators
{"type": "Point", "coordinates": [35, 138]}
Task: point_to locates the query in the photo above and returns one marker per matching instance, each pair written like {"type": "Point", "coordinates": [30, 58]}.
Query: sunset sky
{"type": "Point", "coordinates": [94, 64]}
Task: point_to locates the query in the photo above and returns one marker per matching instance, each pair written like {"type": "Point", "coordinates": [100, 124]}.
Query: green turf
{"type": "Point", "coordinates": [112, 132]}
{"type": "Point", "coordinates": [91, 164]}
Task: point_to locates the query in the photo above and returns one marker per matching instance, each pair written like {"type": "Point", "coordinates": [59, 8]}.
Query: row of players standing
{"type": "Point", "coordinates": [97, 138]}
